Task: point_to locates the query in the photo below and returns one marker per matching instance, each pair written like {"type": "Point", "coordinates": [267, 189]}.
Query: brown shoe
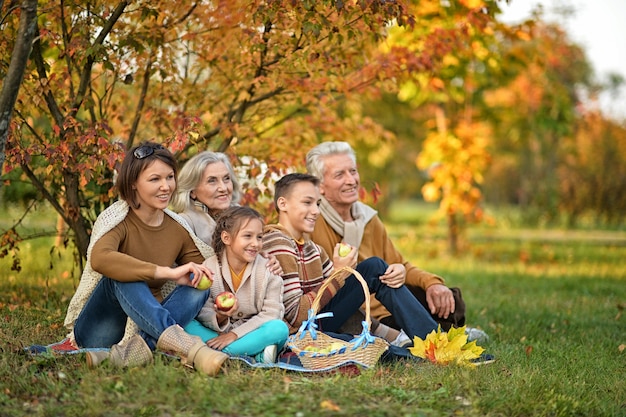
{"type": "Point", "coordinates": [193, 351]}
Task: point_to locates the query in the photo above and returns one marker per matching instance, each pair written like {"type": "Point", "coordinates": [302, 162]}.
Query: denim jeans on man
{"type": "Point", "coordinates": [408, 312]}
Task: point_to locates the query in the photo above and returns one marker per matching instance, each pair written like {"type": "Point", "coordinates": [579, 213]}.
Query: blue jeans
{"type": "Point", "coordinates": [102, 321]}
{"type": "Point", "coordinates": [273, 332]}
{"type": "Point", "coordinates": [408, 312]}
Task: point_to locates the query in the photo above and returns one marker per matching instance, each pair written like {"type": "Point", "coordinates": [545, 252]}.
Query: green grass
{"type": "Point", "coordinates": [550, 300]}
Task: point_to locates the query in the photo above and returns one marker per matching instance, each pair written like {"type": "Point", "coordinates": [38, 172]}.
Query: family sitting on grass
{"type": "Point", "coordinates": [139, 290]}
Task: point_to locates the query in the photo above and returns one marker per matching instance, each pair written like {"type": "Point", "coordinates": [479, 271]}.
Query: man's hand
{"type": "Point", "coordinates": [440, 300]}
{"type": "Point", "coordinates": [394, 276]}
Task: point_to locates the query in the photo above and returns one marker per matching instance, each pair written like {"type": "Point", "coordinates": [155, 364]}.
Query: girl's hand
{"type": "Point", "coordinates": [221, 341]}
{"type": "Point", "coordinates": [222, 314]}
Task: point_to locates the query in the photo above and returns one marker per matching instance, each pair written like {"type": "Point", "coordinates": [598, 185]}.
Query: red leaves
{"type": "Point", "coordinates": [8, 245]}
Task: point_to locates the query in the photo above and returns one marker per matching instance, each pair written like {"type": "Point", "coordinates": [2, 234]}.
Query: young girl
{"type": "Point", "coordinates": [253, 326]}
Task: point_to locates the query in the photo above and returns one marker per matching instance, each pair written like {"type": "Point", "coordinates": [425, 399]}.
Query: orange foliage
{"type": "Point", "coordinates": [240, 75]}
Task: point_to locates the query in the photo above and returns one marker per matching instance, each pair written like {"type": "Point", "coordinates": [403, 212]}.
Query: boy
{"type": "Point", "coordinates": [306, 266]}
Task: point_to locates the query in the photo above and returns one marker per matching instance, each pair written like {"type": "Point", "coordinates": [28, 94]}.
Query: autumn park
{"type": "Point", "coordinates": [480, 144]}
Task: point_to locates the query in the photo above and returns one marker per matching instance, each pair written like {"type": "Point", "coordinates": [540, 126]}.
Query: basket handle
{"type": "Point", "coordinates": [316, 302]}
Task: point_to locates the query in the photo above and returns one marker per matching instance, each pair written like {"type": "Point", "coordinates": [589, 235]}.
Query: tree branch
{"type": "Point", "coordinates": [66, 43]}
{"type": "Point", "coordinates": [30, 128]}
{"type": "Point", "coordinates": [282, 120]}
{"type": "Point", "coordinates": [140, 104]}
{"type": "Point", "coordinates": [236, 114]}
{"type": "Point", "coordinates": [15, 74]}
{"type": "Point", "coordinates": [85, 77]}
{"type": "Point", "coordinates": [213, 132]}
{"type": "Point", "coordinates": [55, 111]}
{"type": "Point", "coordinates": [21, 219]}
{"type": "Point", "coordinates": [185, 15]}
{"type": "Point", "coordinates": [8, 13]}
{"type": "Point", "coordinates": [44, 192]}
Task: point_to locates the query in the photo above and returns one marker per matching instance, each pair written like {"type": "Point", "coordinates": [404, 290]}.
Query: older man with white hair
{"type": "Point", "coordinates": [346, 219]}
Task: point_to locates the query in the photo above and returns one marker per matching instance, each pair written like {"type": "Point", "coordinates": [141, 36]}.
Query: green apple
{"type": "Point", "coordinates": [311, 348]}
{"type": "Point", "coordinates": [335, 346]}
{"type": "Point", "coordinates": [205, 283]}
{"type": "Point", "coordinates": [344, 249]}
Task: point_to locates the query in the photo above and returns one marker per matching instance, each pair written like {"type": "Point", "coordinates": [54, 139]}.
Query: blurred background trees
{"type": "Point", "coordinates": [441, 100]}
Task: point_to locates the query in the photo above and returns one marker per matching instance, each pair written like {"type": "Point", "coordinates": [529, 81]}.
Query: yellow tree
{"type": "Point", "coordinates": [455, 162]}
{"type": "Point", "coordinates": [455, 151]}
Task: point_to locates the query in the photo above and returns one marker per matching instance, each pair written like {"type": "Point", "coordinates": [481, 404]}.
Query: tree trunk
{"type": "Point", "coordinates": [453, 234]}
{"type": "Point", "coordinates": [453, 226]}
{"type": "Point", "coordinates": [73, 215]}
{"type": "Point", "coordinates": [12, 82]}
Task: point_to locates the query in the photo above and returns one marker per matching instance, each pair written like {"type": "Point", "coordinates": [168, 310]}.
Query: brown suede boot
{"type": "Point", "coordinates": [133, 352]}
{"type": "Point", "coordinates": [193, 351]}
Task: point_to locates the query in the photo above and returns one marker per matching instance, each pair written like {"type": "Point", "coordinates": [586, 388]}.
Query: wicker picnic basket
{"type": "Point", "coordinates": [364, 349]}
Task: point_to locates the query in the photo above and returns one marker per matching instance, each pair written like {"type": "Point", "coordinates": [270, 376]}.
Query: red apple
{"type": "Point", "coordinates": [225, 300]}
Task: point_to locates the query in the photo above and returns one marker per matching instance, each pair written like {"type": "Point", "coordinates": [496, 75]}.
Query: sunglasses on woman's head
{"type": "Point", "coordinates": [146, 150]}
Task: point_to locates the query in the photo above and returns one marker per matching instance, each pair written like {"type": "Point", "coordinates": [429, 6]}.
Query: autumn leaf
{"type": "Point", "coordinates": [528, 350]}
{"type": "Point", "coordinates": [329, 405]}
{"type": "Point", "coordinates": [473, 4]}
{"type": "Point", "coordinates": [444, 348]}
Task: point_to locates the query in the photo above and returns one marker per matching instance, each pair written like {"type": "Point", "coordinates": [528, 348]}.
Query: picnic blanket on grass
{"type": "Point", "coordinates": [286, 360]}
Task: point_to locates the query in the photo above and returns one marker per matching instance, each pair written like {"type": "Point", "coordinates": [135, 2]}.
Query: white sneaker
{"type": "Point", "coordinates": [269, 354]}
{"type": "Point", "coordinates": [476, 334]}
{"type": "Point", "coordinates": [402, 340]}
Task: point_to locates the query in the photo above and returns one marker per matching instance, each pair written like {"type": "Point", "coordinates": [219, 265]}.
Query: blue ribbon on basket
{"type": "Point", "coordinates": [364, 339]}
{"type": "Point", "coordinates": [310, 325]}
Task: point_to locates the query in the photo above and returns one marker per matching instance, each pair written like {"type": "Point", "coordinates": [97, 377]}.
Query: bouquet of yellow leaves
{"type": "Point", "coordinates": [446, 347]}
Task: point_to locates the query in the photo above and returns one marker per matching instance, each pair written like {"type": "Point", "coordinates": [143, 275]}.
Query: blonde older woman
{"type": "Point", "coordinates": [207, 186]}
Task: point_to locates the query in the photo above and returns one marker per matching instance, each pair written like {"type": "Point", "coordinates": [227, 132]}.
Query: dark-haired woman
{"type": "Point", "coordinates": [134, 246]}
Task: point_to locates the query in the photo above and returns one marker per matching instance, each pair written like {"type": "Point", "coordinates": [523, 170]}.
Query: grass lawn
{"type": "Point", "coordinates": [551, 301]}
